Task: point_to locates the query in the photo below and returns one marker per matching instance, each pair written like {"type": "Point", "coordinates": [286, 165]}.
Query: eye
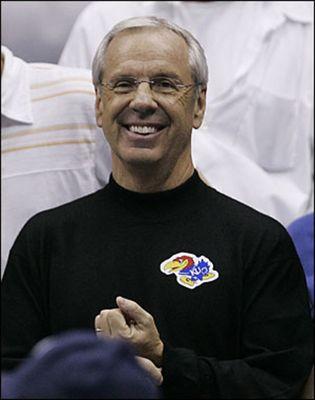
{"type": "Point", "coordinates": [123, 85]}
{"type": "Point", "coordinates": [164, 84]}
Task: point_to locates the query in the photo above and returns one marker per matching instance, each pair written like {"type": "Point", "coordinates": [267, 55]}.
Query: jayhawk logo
{"type": "Point", "coordinates": [191, 271]}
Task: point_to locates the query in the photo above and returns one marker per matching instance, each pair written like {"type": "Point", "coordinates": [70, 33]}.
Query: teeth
{"type": "Point", "coordinates": [142, 129]}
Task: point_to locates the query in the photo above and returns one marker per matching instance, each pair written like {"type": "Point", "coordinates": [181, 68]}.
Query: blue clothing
{"type": "Point", "coordinates": [302, 233]}
{"type": "Point", "coordinates": [78, 365]}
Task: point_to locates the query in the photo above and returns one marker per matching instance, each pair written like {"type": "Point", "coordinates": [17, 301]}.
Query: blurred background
{"type": "Point", "coordinates": [43, 42]}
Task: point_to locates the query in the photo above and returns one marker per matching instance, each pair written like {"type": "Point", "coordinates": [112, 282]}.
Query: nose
{"type": "Point", "coordinates": [143, 101]}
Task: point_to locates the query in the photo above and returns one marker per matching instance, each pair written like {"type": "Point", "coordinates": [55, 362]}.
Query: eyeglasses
{"type": "Point", "coordinates": [165, 86]}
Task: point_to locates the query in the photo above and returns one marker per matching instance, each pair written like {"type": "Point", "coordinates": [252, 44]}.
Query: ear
{"type": "Point", "coordinates": [200, 107]}
{"type": "Point", "coordinates": [98, 108]}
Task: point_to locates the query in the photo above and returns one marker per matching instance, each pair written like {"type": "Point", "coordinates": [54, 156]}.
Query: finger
{"type": "Point", "coordinates": [101, 324]}
{"type": "Point", "coordinates": [97, 324]}
{"type": "Point", "coordinates": [117, 323]}
{"type": "Point", "coordinates": [98, 329]}
{"type": "Point", "coordinates": [133, 311]}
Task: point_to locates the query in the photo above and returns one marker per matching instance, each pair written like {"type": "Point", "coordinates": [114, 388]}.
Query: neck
{"type": "Point", "coordinates": [151, 179]}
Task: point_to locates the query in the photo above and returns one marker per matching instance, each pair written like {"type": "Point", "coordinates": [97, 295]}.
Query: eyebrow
{"type": "Point", "coordinates": [171, 75]}
{"type": "Point", "coordinates": [121, 76]}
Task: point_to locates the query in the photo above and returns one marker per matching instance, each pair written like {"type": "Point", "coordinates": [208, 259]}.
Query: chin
{"type": "Point", "coordinates": [141, 157]}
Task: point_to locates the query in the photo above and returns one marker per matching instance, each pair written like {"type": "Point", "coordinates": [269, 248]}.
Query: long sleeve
{"type": "Point", "coordinates": [276, 344]}
{"type": "Point", "coordinates": [25, 322]}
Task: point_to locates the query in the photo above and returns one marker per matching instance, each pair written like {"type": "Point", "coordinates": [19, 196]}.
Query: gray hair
{"type": "Point", "coordinates": [196, 55]}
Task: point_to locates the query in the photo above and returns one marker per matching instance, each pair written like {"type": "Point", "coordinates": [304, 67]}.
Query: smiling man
{"type": "Point", "coordinates": [205, 288]}
{"type": "Point", "coordinates": [147, 103]}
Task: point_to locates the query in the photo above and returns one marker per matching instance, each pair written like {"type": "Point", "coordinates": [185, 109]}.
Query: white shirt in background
{"type": "Point", "coordinates": [256, 143]}
{"type": "Point", "coordinates": [51, 149]}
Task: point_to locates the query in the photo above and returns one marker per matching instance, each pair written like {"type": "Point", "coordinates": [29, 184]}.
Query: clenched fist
{"type": "Point", "coordinates": [132, 323]}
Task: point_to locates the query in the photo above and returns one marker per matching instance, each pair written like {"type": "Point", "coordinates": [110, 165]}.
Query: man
{"type": "Point", "coordinates": [257, 134]}
{"type": "Point", "coordinates": [207, 289]}
{"type": "Point", "coordinates": [51, 149]}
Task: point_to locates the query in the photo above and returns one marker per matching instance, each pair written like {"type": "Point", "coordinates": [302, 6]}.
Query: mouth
{"type": "Point", "coordinates": [144, 130]}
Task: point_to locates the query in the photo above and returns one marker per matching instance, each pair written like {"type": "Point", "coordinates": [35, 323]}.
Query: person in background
{"type": "Point", "coordinates": [256, 141]}
{"type": "Point", "coordinates": [204, 287]}
{"type": "Point", "coordinates": [37, 23]}
{"type": "Point", "coordinates": [52, 152]}
{"type": "Point", "coordinates": [78, 365]}
{"type": "Point", "coordinates": [302, 233]}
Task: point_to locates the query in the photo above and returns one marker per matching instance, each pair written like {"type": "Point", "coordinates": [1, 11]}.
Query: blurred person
{"type": "Point", "coordinates": [256, 142]}
{"type": "Point", "coordinates": [302, 233]}
{"type": "Point", "coordinates": [206, 288]}
{"type": "Point", "coordinates": [52, 151]}
{"type": "Point", "coordinates": [78, 365]}
{"type": "Point", "coordinates": [33, 18]}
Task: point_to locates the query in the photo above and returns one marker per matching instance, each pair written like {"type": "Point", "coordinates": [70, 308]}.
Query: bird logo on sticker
{"type": "Point", "coordinates": [191, 271]}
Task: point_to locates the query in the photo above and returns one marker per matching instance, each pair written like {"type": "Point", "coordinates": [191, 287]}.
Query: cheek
{"type": "Point", "coordinates": [185, 107]}
{"type": "Point", "coordinates": [185, 100]}
{"type": "Point", "coordinates": [112, 107]}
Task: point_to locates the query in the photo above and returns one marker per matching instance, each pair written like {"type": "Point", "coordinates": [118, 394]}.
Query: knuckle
{"type": "Point", "coordinates": [150, 319]}
{"type": "Point", "coordinates": [112, 313]}
{"type": "Point", "coordinates": [110, 316]}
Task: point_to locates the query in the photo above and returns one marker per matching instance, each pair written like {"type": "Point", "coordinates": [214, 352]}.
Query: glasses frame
{"type": "Point", "coordinates": [151, 82]}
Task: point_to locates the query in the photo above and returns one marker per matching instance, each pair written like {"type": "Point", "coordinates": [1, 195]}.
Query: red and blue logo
{"type": "Point", "coordinates": [191, 271]}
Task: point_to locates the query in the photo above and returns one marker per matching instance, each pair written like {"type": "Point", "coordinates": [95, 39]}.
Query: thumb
{"type": "Point", "coordinates": [132, 310]}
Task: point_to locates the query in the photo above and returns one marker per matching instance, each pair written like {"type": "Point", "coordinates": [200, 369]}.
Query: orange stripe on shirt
{"type": "Point", "coordinates": [50, 96]}
{"type": "Point", "coordinates": [48, 144]}
{"type": "Point", "coordinates": [59, 127]}
{"type": "Point", "coordinates": [51, 83]}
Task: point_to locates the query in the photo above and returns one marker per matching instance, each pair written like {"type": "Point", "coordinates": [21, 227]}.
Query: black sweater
{"type": "Point", "coordinates": [247, 333]}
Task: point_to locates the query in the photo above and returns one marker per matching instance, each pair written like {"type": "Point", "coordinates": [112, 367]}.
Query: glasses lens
{"type": "Point", "coordinates": [124, 85]}
{"type": "Point", "coordinates": [164, 86]}
{"type": "Point", "coordinates": [161, 85]}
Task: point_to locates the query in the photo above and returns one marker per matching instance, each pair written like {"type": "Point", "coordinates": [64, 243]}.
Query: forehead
{"type": "Point", "coordinates": [147, 50]}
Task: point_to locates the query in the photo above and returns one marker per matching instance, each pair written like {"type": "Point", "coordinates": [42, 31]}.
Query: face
{"type": "Point", "coordinates": [144, 127]}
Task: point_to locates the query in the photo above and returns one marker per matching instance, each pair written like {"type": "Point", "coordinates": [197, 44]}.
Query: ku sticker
{"type": "Point", "coordinates": [191, 271]}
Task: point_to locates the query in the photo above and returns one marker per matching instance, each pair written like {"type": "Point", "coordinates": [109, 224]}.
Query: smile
{"type": "Point", "coordinates": [144, 130]}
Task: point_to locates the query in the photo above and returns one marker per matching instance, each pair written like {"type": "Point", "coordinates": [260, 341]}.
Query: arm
{"type": "Point", "coordinates": [22, 323]}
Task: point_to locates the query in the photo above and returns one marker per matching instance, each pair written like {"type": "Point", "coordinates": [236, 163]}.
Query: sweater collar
{"type": "Point", "coordinates": [165, 204]}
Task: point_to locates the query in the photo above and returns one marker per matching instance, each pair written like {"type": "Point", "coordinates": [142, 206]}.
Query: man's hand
{"type": "Point", "coordinates": [154, 372]}
{"type": "Point", "coordinates": [132, 323]}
